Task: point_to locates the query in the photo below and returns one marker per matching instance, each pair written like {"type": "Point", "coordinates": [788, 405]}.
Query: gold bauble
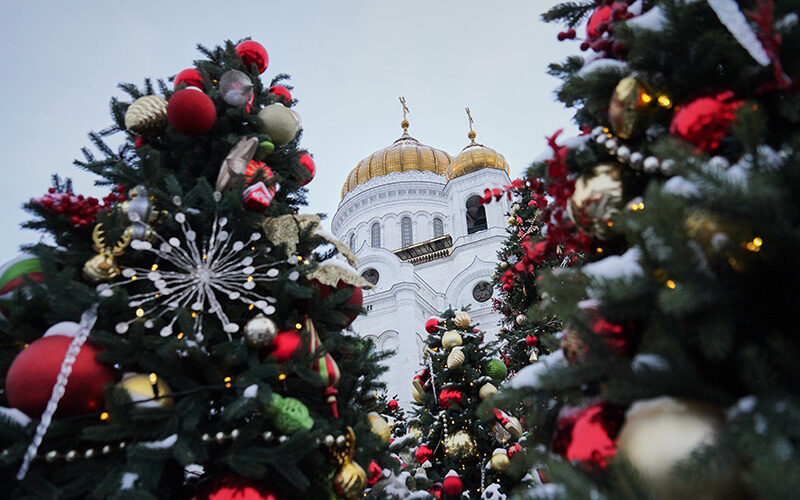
{"type": "Point", "coordinates": [661, 432]}
{"type": "Point", "coordinates": [451, 338]}
{"type": "Point", "coordinates": [415, 431]}
{"type": "Point", "coordinates": [350, 481]}
{"type": "Point", "coordinates": [260, 330]}
{"type": "Point", "coordinates": [281, 123]}
{"type": "Point", "coordinates": [146, 115]}
{"type": "Point", "coordinates": [455, 358]}
{"type": "Point", "coordinates": [379, 426]}
{"type": "Point", "coordinates": [462, 320]}
{"type": "Point", "coordinates": [596, 200]}
{"type": "Point", "coordinates": [499, 460]}
{"type": "Point", "coordinates": [459, 445]}
{"type": "Point", "coordinates": [487, 390]}
{"type": "Point", "coordinates": [628, 111]}
{"type": "Point", "coordinates": [417, 395]}
{"type": "Point", "coordinates": [143, 388]}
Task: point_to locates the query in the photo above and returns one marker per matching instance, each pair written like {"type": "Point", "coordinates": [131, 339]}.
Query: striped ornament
{"type": "Point", "coordinates": [12, 276]}
{"type": "Point", "coordinates": [325, 366]}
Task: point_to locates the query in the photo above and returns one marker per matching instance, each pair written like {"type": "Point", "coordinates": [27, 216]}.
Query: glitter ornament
{"type": "Point", "coordinates": [706, 121]}
{"type": "Point", "coordinates": [462, 319]}
{"type": "Point", "coordinates": [144, 389]}
{"type": "Point", "coordinates": [191, 112]}
{"type": "Point", "coordinates": [374, 473]}
{"type": "Point", "coordinates": [351, 479]}
{"type": "Point", "coordinates": [33, 373]}
{"type": "Point", "coordinates": [235, 488]}
{"type": "Point", "coordinates": [451, 338]}
{"type": "Point", "coordinates": [280, 123]}
{"type": "Point", "coordinates": [189, 78]}
{"type": "Point", "coordinates": [459, 445]}
{"type": "Point", "coordinates": [379, 426]}
{"type": "Point", "coordinates": [253, 53]}
{"type": "Point", "coordinates": [236, 88]}
{"type": "Point", "coordinates": [588, 434]}
{"type": "Point", "coordinates": [260, 331]}
{"type": "Point", "coordinates": [147, 115]}
{"type": "Point", "coordinates": [448, 397]}
{"type": "Point", "coordinates": [194, 274]}
{"type": "Point", "coordinates": [628, 111]}
{"type": "Point", "coordinates": [495, 369]}
{"type": "Point", "coordinates": [422, 454]}
{"type": "Point", "coordinates": [596, 200]}
{"type": "Point", "coordinates": [288, 415]}
{"type": "Point", "coordinates": [432, 325]}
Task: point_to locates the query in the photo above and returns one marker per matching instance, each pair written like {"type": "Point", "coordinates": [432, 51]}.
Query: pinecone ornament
{"type": "Point", "coordinates": [147, 115]}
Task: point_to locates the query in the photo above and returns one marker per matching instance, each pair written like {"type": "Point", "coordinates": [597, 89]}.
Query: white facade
{"type": "Point", "coordinates": [407, 294]}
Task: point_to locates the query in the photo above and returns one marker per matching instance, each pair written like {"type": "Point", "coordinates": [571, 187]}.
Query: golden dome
{"type": "Point", "coordinates": [405, 154]}
{"type": "Point", "coordinates": [475, 157]}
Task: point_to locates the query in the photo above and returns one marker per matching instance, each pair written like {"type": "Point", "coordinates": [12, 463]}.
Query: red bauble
{"type": "Point", "coordinates": [34, 371]}
{"type": "Point", "coordinates": [191, 112]}
{"type": "Point", "coordinates": [704, 122]}
{"type": "Point", "coordinates": [449, 397]}
{"type": "Point", "coordinates": [514, 449]}
{"type": "Point", "coordinates": [601, 15]}
{"type": "Point", "coordinates": [284, 345]}
{"type": "Point", "coordinates": [139, 142]}
{"type": "Point", "coordinates": [531, 340]}
{"type": "Point", "coordinates": [452, 485]}
{"type": "Point", "coordinates": [308, 162]}
{"type": "Point", "coordinates": [253, 53]}
{"type": "Point", "coordinates": [436, 491]}
{"type": "Point", "coordinates": [588, 434]}
{"type": "Point", "coordinates": [284, 96]}
{"type": "Point", "coordinates": [431, 326]}
{"type": "Point", "coordinates": [357, 299]}
{"type": "Point", "coordinates": [236, 488]}
{"type": "Point", "coordinates": [393, 404]}
{"type": "Point", "coordinates": [374, 473]}
{"type": "Point", "coordinates": [191, 77]}
{"type": "Point", "coordinates": [620, 338]}
{"type": "Point", "coordinates": [423, 454]}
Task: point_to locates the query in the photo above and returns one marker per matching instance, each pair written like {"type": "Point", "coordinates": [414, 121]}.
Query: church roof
{"type": "Point", "coordinates": [475, 157]}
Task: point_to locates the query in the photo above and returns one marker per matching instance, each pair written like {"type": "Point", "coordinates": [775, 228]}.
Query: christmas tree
{"type": "Point", "coordinates": [194, 315]}
{"type": "Point", "coordinates": [676, 375]}
{"type": "Point", "coordinates": [527, 331]}
{"type": "Point", "coordinates": [458, 451]}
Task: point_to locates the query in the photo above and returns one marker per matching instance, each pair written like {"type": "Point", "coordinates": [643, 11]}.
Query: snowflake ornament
{"type": "Point", "coordinates": [201, 274]}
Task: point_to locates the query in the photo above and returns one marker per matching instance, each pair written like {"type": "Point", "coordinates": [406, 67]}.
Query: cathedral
{"type": "Point", "coordinates": [411, 213]}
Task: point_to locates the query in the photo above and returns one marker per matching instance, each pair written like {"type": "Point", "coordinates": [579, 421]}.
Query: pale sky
{"type": "Point", "coordinates": [349, 61]}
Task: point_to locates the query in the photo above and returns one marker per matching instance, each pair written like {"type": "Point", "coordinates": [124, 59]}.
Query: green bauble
{"type": "Point", "coordinates": [495, 369]}
{"type": "Point", "coordinates": [289, 415]}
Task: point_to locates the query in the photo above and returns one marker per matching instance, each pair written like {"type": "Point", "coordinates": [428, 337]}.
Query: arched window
{"type": "Point", "coordinates": [438, 227]}
{"type": "Point", "coordinates": [476, 215]}
{"type": "Point", "coordinates": [352, 241]}
{"type": "Point", "coordinates": [375, 234]}
{"type": "Point", "coordinates": [405, 231]}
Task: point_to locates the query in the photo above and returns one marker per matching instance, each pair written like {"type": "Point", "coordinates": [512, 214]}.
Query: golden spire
{"type": "Point", "coordinates": [404, 123]}
{"type": "Point", "coordinates": [471, 135]}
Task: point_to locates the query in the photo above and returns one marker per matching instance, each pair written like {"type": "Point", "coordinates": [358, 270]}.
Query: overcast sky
{"type": "Point", "coordinates": [349, 61]}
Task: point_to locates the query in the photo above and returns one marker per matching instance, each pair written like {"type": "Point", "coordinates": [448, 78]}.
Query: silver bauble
{"type": "Point", "coordinates": [260, 331]}
{"type": "Point", "coordinates": [281, 123]}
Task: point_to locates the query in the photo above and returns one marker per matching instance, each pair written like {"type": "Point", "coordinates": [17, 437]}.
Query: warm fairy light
{"type": "Point", "coordinates": [610, 223]}
{"type": "Point", "coordinates": [755, 245]}
{"type": "Point", "coordinates": [180, 335]}
{"type": "Point", "coordinates": [194, 314]}
{"type": "Point", "coordinates": [154, 267]}
{"type": "Point", "coordinates": [599, 250]}
{"type": "Point", "coordinates": [282, 376]}
{"type": "Point", "coordinates": [104, 415]}
{"type": "Point", "coordinates": [134, 278]}
{"type": "Point", "coordinates": [664, 101]}
{"type": "Point", "coordinates": [298, 326]}
{"type": "Point", "coordinates": [758, 241]}
{"type": "Point", "coordinates": [299, 258]}
{"type": "Point", "coordinates": [153, 378]}
{"type": "Point", "coordinates": [605, 130]}
{"type": "Point", "coordinates": [205, 257]}
{"type": "Point", "coordinates": [227, 381]}
{"type": "Point", "coordinates": [249, 278]}
{"type": "Point", "coordinates": [641, 206]}
{"type": "Point", "coordinates": [250, 307]}
{"type": "Point", "coordinates": [252, 248]}
{"type": "Point", "coordinates": [670, 284]}
{"type": "Point", "coordinates": [139, 312]}
{"type": "Point", "coordinates": [646, 98]}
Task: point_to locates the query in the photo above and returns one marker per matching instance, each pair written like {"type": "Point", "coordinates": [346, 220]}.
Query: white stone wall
{"type": "Point", "coordinates": [407, 295]}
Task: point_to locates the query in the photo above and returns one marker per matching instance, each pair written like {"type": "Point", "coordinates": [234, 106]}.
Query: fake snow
{"type": "Point", "coordinates": [653, 20]}
{"type": "Point", "coordinates": [635, 8]}
{"type": "Point", "coordinates": [165, 443]}
{"type": "Point", "coordinates": [601, 64]}
{"type": "Point", "coordinates": [547, 491]}
{"type": "Point", "coordinates": [492, 492]}
{"type": "Point", "coordinates": [15, 416]}
{"type": "Point", "coordinates": [127, 480]}
{"type": "Point", "coordinates": [745, 405]}
{"type": "Point", "coordinates": [250, 391]}
{"type": "Point", "coordinates": [625, 266]}
{"type": "Point", "coordinates": [680, 186]}
{"type": "Point", "coordinates": [652, 362]}
{"type": "Point", "coordinates": [531, 375]}
{"type": "Point", "coordinates": [401, 442]}
{"type": "Point", "coordinates": [732, 18]}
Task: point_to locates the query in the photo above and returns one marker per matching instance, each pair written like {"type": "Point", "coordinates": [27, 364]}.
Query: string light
{"type": "Point", "coordinates": [153, 378]}
{"type": "Point", "coordinates": [298, 326]}
{"type": "Point", "coordinates": [755, 245]}
{"type": "Point", "coordinates": [664, 101]}
{"type": "Point", "coordinates": [646, 98]}
{"type": "Point", "coordinates": [282, 376]}
{"type": "Point", "coordinates": [180, 335]}
{"type": "Point", "coordinates": [104, 416]}
{"type": "Point", "coordinates": [134, 278]}
{"type": "Point", "coordinates": [227, 381]}
{"type": "Point", "coordinates": [139, 312]}
{"type": "Point", "coordinates": [154, 267]}
{"type": "Point", "coordinates": [671, 284]}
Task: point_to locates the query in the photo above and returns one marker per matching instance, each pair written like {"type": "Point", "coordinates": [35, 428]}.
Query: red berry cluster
{"type": "Point", "coordinates": [600, 28]}
{"type": "Point", "coordinates": [81, 210]}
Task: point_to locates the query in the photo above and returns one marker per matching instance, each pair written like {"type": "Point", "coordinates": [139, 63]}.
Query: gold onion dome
{"type": "Point", "coordinates": [405, 154]}
{"type": "Point", "coordinates": [475, 157]}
